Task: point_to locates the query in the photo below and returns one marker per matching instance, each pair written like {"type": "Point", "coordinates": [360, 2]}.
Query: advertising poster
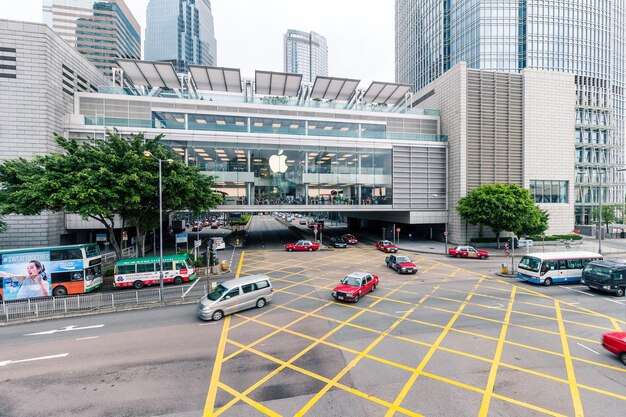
{"type": "Point", "coordinates": [28, 275]}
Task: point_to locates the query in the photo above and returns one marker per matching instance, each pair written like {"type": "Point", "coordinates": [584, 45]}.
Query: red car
{"type": "Point", "coordinates": [302, 245]}
{"type": "Point", "coordinates": [468, 252]}
{"type": "Point", "coordinates": [615, 342]}
{"type": "Point", "coordinates": [355, 286]}
{"type": "Point", "coordinates": [350, 239]}
{"type": "Point", "coordinates": [401, 264]}
{"type": "Point", "coordinates": [386, 246]}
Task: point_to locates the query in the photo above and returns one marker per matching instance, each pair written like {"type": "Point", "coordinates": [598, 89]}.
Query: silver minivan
{"type": "Point", "coordinates": [235, 295]}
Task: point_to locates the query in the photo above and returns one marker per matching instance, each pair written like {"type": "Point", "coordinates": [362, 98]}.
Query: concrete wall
{"type": "Point", "coordinates": [33, 106]}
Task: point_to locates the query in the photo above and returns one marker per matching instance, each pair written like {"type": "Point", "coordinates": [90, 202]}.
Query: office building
{"type": "Point", "coordinates": [582, 38]}
{"type": "Point", "coordinates": [180, 32]}
{"type": "Point", "coordinates": [306, 53]}
{"type": "Point", "coordinates": [39, 77]}
{"type": "Point", "coordinates": [102, 31]}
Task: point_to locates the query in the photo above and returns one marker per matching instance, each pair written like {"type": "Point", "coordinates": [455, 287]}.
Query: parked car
{"type": "Point", "coordinates": [468, 252]}
{"type": "Point", "coordinates": [386, 246]}
{"type": "Point", "coordinates": [615, 342]}
{"type": "Point", "coordinates": [215, 224]}
{"type": "Point", "coordinates": [525, 243]}
{"type": "Point", "coordinates": [219, 243]}
{"type": "Point", "coordinates": [350, 239]}
{"type": "Point", "coordinates": [196, 228]}
{"type": "Point", "coordinates": [302, 245]}
{"type": "Point", "coordinates": [303, 221]}
{"type": "Point", "coordinates": [355, 286]}
{"type": "Point", "coordinates": [401, 264]}
{"type": "Point", "coordinates": [337, 242]}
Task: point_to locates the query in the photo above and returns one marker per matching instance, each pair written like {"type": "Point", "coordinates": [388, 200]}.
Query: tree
{"type": "Point", "coordinates": [609, 214]}
{"type": "Point", "coordinates": [104, 177]}
{"type": "Point", "coordinates": [503, 207]}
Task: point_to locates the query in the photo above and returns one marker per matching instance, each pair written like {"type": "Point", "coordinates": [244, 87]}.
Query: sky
{"type": "Point", "coordinates": [249, 33]}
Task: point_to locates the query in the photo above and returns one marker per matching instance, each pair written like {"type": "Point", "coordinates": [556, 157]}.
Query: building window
{"type": "Point", "coordinates": [546, 191]}
{"type": "Point", "coordinates": [8, 58]}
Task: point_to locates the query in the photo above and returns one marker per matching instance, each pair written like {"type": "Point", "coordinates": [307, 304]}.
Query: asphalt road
{"type": "Point", "coordinates": [453, 340]}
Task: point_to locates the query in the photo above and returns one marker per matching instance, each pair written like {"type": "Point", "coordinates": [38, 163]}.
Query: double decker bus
{"type": "Point", "coordinates": [556, 267]}
{"type": "Point", "coordinates": [139, 272]}
{"type": "Point", "coordinates": [57, 271]}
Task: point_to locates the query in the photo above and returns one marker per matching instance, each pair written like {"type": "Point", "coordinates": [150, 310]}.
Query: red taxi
{"type": "Point", "coordinates": [401, 264]}
{"type": "Point", "coordinates": [302, 245]}
{"type": "Point", "coordinates": [615, 342]}
{"type": "Point", "coordinates": [386, 246]}
{"type": "Point", "coordinates": [350, 239]}
{"type": "Point", "coordinates": [355, 286]}
{"type": "Point", "coordinates": [468, 252]}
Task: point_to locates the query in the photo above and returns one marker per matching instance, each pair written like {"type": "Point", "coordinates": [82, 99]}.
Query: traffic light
{"type": "Point", "coordinates": [212, 258]}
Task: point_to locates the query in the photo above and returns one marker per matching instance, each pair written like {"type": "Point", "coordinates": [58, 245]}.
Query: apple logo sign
{"type": "Point", "coordinates": [278, 163]}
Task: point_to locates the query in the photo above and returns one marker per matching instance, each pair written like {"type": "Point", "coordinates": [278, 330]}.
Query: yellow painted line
{"type": "Point", "coordinates": [249, 401]}
{"type": "Point", "coordinates": [601, 391]}
{"type": "Point", "coordinates": [243, 252]}
{"type": "Point", "coordinates": [416, 372]}
{"type": "Point", "coordinates": [209, 405]}
{"type": "Point", "coordinates": [356, 360]}
{"type": "Point", "coordinates": [616, 325]}
{"type": "Point", "coordinates": [491, 380]}
{"type": "Point", "coordinates": [528, 405]}
{"type": "Point", "coordinates": [569, 366]}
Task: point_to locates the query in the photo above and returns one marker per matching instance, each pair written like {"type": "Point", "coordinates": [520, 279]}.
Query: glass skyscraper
{"type": "Point", "coordinates": [306, 53]}
{"type": "Point", "coordinates": [181, 32]}
{"type": "Point", "coordinates": [580, 37]}
{"type": "Point", "coordinates": [102, 31]}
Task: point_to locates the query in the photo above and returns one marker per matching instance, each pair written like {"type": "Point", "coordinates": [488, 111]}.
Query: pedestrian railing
{"type": "Point", "coordinates": [105, 301]}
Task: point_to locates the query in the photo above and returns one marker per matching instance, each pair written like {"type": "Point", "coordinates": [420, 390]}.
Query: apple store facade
{"type": "Point", "coordinates": [275, 144]}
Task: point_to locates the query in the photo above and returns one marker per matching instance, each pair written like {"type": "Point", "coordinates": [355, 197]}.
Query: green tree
{"type": "Point", "coordinates": [609, 214]}
{"type": "Point", "coordinates": [104, 177]}
{"type": "Point", "coordinates": [503, 207]}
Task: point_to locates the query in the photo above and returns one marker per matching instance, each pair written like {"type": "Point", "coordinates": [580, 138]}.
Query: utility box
{"type": "Point", "coordinates": [504, 269]}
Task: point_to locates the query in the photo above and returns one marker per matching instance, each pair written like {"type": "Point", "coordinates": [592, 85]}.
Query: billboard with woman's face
{"type": "Point", "coordinates": [25, 275]}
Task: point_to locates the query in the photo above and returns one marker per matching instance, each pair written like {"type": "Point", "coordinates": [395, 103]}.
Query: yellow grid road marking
{"type": "Point", "coordinates": [209, 405]}
{"type": "Point", "coordinates": [249, 401]}
{"type": "Point", "coordinates": [491, 380]}
{"type": "Point", "coordinates": [243, 252]}
{"type": "Point", "coordinates": [569, 366]}
{"type": "Point", "coordinates": [428, 355]}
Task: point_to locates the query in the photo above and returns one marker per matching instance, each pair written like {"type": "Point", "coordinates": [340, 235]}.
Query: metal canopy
{"type": "Point", "coordinates": [150, 73]}
{"type": "Point", "coordinates": [387, 93]}
{"type": "Point", "coordinates": [330, 88]}
{"type": "Point", "coordinates": [216, 78]}
{"type": "Point", "coordinates": [277, 83]}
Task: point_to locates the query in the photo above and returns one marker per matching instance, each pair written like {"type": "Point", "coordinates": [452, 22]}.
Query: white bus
{"type": "Point", "coordinates": [547, 268]}
{"type": "Point", "coordinates": [138, 272]}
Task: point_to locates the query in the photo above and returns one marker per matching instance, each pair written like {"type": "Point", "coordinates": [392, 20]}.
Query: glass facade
{"type": "Point", "coordinates": [579, 37]}
{"type": "Point", "coordinates": [549, 191]}
{"type": "Point", "coordinates": [181, 32]}
{"type": "Point", "coordinates": [305, 53]}
{"type": "Point", "coordinates": [102, 31]}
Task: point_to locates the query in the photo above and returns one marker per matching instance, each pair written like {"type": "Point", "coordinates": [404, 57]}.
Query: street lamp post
{"type": "Point", "coordinates": [148, 154]}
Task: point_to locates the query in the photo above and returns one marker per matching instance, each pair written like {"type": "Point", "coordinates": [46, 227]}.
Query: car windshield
{"type": "Point", "coordinates": [386, 243]}
{"type": "Point", "coordinates": [352, 281]}
{"type": "Point", "coordinates": [216, 292]}
{"type": "Point", "coordinates": [402, 259]}
{"type": "Point", "coordinates": [597, 273]}
{"type": "Point", "coordinates": [530, 263]}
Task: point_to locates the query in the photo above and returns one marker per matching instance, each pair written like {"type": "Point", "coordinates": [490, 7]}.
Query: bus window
{"type": "Point", "coordinates": [145, 268]}
{"type": "Point", "coordinates": [65, 254]}
{"type": "Point", "coordinates": [551, 265]}
{"type": "Point", "coordinates": [574, 264]}
{"type": "Point", "coordinates": [180, 265]}
{"type": "Point", "coordinates": [126, 269]}
{"type": "Point", "coordinates": [562, 264]}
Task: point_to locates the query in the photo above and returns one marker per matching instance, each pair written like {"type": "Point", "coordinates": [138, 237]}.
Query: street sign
{"type": "Point", "coordinates": [101, 237]}
{"type": "Point", "coordinates": [315, 227]}
{"type": "Point", "coordinates": [398, 230]}
{"type": "Point", "coordinates": [197, 243]}
{"type": "Point", "coordinates": [124, 235]}
{"type": "Point", "coordinates": [181, 238]}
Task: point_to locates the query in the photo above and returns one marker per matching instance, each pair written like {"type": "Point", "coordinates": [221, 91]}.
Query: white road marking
{"type": "Point", "coordinates": [87, 338]}
{"type": "Point", "coordinates": [582, 292]}
{"type": "Point", "coordinates": [204, 324]}
{"type": "Point", "coordinates": [613, 301]}
{"type": "Point", "coordinates": [191, 287]}
{"type": "Point", "coordinates": [61, 355]}
{"type": "Point", "coordinates": [66, 329]}
{"type": "Point", "coordinates": [403, 311]}
{"type": "Point", "coordinates": [583, 346]}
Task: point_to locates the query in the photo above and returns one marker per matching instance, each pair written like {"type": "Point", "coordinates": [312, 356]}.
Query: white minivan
{"type": "Point", "coordinates": [235, 295]}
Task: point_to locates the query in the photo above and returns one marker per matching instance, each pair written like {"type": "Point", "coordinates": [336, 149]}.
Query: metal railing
{"type": "Point", "coordinates": [105, 301]}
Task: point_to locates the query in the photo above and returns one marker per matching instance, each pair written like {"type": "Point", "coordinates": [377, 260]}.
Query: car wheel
{"type": "Point", "coordinates": [620, 292]}
{"type": "Point", "coordinates": [397, 270]}
{"type": "Point", "coordinates": [547, 282]}
{"type": "Point", "coordinates": [310, 249]}
{"type": "Point", "coordinates": [260, 303]}
{"type": "Point", "coordinates": [622, 357]}
{"type": "Point", "coordinates": [178, 280]}
{"type": "Point", "coordinates": [290, 250]}
{"type": "Point", "coordinates": [373, 288]}
{"type": "Point", "coordinates": [356, 298]}
{"type": "Point", "coordinates": [59, 291]}
{"type": "Point", "coordinates": [458, 255]}
{"type": "Point", "coordinates": [483, 257]}
{"type": "Point", "coordinates": [217, 315]}
{"type": "Point", "coordinates": [138, 285]}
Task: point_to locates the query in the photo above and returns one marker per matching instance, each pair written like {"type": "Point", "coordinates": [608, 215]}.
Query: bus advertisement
{"type": "Point", "coordinates": [41, 272]}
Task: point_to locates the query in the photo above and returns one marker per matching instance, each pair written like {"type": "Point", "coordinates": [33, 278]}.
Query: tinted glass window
{"type": "Point", "coordinates": [262, 284]}
{"type": "Point", "coordinates": [232, 293]}
{"type": "Point", "coordinates": [65, 254]}
{"type": "Point", "coordinates": [562, 264]}
{"type": "Point", "coordinates": [618, 276]}
{"type": "Point", "coordinates": [126, 269]}
{"type": "Point", "coordinates": [574, 264]}
{"type": "Point", "coordinates": [551, 265]}
{"type": "Point", "coordinates": [145, 268]}
{"type": "Point", "coordinates": [247, 288]}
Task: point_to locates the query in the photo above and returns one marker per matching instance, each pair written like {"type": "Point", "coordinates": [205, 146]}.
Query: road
{"type": "Point", "coordinates": [453, 340]}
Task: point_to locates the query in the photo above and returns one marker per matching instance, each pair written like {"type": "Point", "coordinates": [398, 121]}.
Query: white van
{"type": "Point", "coordinates": [235, 295]}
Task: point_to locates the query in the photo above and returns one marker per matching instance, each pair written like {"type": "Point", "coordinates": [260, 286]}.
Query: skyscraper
{"type": "Point", "coordinates": [306, 53]}
{"type": "Point", "coordinates": [577, 37]}
{"type": "Point", "coordinates": [181, 32]}
{"type": "Point", "coordinates": [102, 31]}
